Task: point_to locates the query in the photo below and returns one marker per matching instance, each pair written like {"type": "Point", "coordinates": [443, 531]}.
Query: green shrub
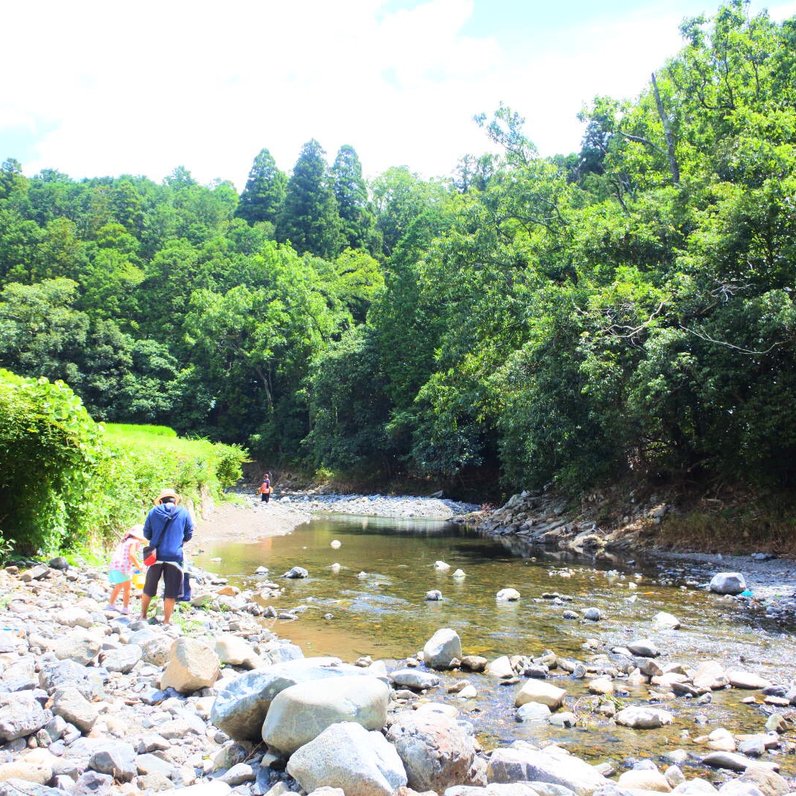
{"type": "Point", "coordinates": [67, 482]}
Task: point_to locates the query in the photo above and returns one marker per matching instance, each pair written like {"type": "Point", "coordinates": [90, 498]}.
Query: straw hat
{"type": "Point", "coordinates": [165, 493]}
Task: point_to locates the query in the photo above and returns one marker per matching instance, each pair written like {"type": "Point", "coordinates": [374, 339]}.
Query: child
{"type": "Point", "coordinates": [123, 561]}
{"type": "Point", "coordinates": [265, 488]}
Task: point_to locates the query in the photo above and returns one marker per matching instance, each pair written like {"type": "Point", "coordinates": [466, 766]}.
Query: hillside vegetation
{"type": "Point", "coordinates": [67, 482]}
{"type": "Point", "coordinates": [626, 311]}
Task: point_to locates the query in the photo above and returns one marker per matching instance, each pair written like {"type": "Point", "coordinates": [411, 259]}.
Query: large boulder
{"type": "Point", "coordinates": [240, 706]}
{"type": "Point", "coordinates": [442, 649]}
{"type": "Point", "coordinates": [21, 715]}
{"type": "Point", "coordinates": [349, 757]}
{"type": "Point", "coordinates": [192, 665]}
{"type": "Point", "coordinates": [500, 789]}
{"type": "Point", "coordinates": [521, 764]}
{"type": "Point", "coordinates": [741, 679]}
{"type": "Point", "coordinates": [728, 583]}
{"type": "Point", "coordinates": [710, 676]}
{"type": "Point", "coordinates": [436, 751]}
{"type": "Point", "coordinates": [300, 713]}
{"type": "Point", "coordinates": [644, 779]}
{"type": "Point", "coordinates": [542, 692]}
{"type": "Point", "coordinates": [31, 771]}
{"type": "Point", "coordinates": [767, 781]}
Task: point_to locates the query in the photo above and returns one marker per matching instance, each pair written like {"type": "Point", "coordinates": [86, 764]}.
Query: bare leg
{"type": "Point", "coordinates": [115, 593]}
{"type": "Point", "coordinates": [145, 599]}
{"type": "Point", "coordinates": [126, 594]}
{"type": "Point", "coordinates": [168, 607]}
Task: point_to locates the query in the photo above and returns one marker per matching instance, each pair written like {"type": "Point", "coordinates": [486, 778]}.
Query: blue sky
{"type": "Point", "coordinates": [94, 88]}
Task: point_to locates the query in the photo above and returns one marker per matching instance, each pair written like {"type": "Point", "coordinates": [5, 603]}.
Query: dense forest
{"type": "Point", "coordinates": [626, 309]}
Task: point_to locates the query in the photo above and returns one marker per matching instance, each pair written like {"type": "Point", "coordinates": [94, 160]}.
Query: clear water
{"type": "Point", "coordinates": [378, 608]}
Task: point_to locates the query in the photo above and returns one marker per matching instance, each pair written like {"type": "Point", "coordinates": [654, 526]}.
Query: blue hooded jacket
{"type": "Point", "coordinates": [178, 531]}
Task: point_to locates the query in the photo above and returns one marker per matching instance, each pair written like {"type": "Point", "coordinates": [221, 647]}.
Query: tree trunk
{"type": "Point", "coordinates": [667, 131]}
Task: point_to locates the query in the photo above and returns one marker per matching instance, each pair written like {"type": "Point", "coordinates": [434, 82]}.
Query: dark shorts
{"type": "Point", "coordinates": [172, 580]}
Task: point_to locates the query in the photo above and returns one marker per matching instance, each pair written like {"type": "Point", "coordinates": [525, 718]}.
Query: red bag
{"type": "Point", "coordinates": [150, 556]}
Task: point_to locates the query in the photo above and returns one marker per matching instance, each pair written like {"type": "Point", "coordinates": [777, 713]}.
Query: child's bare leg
{"type": "Point", "coordinates": [115, 593]}
{"type": "Point", "coordinates": [126, 593]}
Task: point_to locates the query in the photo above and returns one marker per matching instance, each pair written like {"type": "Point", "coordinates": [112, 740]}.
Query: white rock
{"type": "Point", "coordinates": [542, 692]}
{"type": "Point", "coordinates": [234, 650]}
{"type": "Point", "coordinates": [741, 679]}
{"type": "Point", "coordinates": [442, 648]}
{"type": "Point", "coordinates": [664, 620]}
{"type": "Point", "coordinates": [644, 779]}
{"type": "Point", "coordinates": [728, 583]}
{"type": "Point", "coordinates": [533, 713]}
{"type": "Point", "coordinates": [192, 666]}
{"type": "Point", "coordinates": [441, 566]}
{"type": "Point", "coordinates": [459, 574]}
{"type": "Point", "coordinates": [500, 667]}
{"type": "Point", "coordinates": [302, 712]}
{"type": "Point", "coordinates": [349, 757]}
{"type": "Point", "coordinates": [551, 765]}
{"type": "Point", "coordinates": [335, 544]}
{"type": "Point", "coordinates": [643, 718]}
{"type": "Point", "coordinates": [507, 595]}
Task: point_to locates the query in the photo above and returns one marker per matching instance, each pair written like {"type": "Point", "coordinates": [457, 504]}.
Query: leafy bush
{"type": "Point", "coordinates": [66, 481]}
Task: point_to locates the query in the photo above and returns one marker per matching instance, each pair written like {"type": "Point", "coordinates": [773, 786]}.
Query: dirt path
{"type": "Point", "coordinates": [248, 521]}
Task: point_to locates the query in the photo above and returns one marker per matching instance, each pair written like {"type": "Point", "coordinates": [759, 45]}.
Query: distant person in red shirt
{"type": "Point", "coordinates": [265, 488]}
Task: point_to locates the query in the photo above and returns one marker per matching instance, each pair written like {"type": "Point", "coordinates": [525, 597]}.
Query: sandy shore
{"type": "Point", "coordinates": [246, 522]}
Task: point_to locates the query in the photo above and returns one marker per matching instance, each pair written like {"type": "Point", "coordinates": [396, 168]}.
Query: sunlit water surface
{"type": "Point", "coordinates": [378, 608]}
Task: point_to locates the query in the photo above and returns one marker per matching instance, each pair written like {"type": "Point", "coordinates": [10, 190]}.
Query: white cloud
{"type": "Point", "coordinates": [109, 88]}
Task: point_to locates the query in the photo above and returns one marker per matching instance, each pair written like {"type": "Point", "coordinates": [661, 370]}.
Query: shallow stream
{"type": "Point", "coordinates": [378, 608]}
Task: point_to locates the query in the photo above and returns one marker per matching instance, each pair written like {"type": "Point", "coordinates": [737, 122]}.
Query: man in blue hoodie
{"type": "Point", "coordinates": [167, 527]}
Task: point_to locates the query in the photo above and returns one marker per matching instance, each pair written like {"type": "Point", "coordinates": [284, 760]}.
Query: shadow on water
{"type": "Point", "coordinates": [375, 605]}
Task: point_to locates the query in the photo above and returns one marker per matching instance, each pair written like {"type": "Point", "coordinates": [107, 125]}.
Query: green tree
{"type": "Point", "coordinates": [264, 194]}
{"type": "Point", "coordinates": [310, 220]}
{"type": "Point", "coordinates": [351, 192]}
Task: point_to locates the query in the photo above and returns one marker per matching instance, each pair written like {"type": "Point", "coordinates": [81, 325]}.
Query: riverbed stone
{"type": "Point", "coordinates": [533, 713]}
{"type": "Point", "coordinates": [78, 646]}
{"type": "Point", "coordinates": [766, 780]}
{"type": "Point", "coordinates": [593, 614]}
{"type": "Point", "coordinates": [644, 779]}
{"type": "Point", "coordinates": [552, 764]}
{"type": "Point", "coordinates": [440, 651]}
{"type": "Point", "coordinates": [115, 758]}
{"type": "Point", "coordinates": [347, 756]}
{"type": "Point", "coordinates": [665, 621]}
{"type": "Point", "coordinates": [643, 648]}
{"type": "Point", "coordinates": [507, 595]}
{"type": "Point", "coordinates": [542, 692]}
{"type": "Point", "coordinates": [710, 676]}
{"type": "Point", "coordinates": [192, 665]}
{"type": "Point", "coordinates": [122, 659]}
{"type": "Point", "coordinates": [601, 685]}
{"type": "Point", "coordinates": [501, 667]}
{"type": "Point", "coordinates": [235, 651]}
{"type": "Point", "coordinates": [733, 761]}
{"type": "Point", "coordinates": [474, 663]}
{"type": "Point", "coordinates": [728, 583]}
{"type": "Point", "coordinates": [436, 751]}
{"type": "Point", "coordinates": [415, 679]}
{"type": "Point", "coordinates": [643, 718]}
{"type": "Point", "coordinates": [295, 573]}
{"type": "Point", "coordinates": [241, 705]}
{"type": "Point", "coordinates": [748, 680]}
{"type": "Point", "coordinates": [721, 740]}
{"type": "Point", "coordinates": [300, 713]}
{"type": "Point", "coordinates": [72, 706]}
{"type": "Point", "coordinates": [21, 714]}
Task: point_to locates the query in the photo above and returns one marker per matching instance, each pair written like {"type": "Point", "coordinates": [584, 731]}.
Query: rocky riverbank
{"type": "Point", "coordinates": [95, 702]}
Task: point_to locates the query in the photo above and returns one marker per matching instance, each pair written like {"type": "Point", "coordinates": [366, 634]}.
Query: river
{"type": "Point", "coordinates": [375, 605]}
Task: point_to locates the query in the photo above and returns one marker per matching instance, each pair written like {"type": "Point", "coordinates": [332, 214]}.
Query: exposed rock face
{"type": "Point", "coordinates": [192, 666]}
{"type": "Point", "coordinates": [435, 750]}
{"type": "Point", "coordinates": [349, 757]}
{"type": "Point", "coordinates": [442, 649]}
{"type": "Point", "coordinates": [300, 713]}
